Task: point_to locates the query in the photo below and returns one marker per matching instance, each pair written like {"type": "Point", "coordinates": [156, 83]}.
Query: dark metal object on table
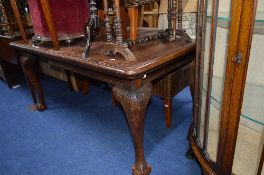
{"type": "Point", "coordinates": [37, 40]}
{"type": "Point", "coordinates": [90, 28]}
{"type": "Point", "coordinates": [148, 38]}
{"type": "Point", "coordinates": [169, 30]}
{"type": "Point", "coordinates": [109, 36]}
{"type": "Point", "coordinates": [118, 46]}
{"type": "Point", "coordinates": [175, 16]}
{"type": "Point", "coordinates": [180, 11]}
{"type": "Point", "coordinates": [111, 46]}
{"type": "Point", "coordinates": [172, 19]}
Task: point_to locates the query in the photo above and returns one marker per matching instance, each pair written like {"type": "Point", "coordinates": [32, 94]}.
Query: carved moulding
{"type": "Point", "coordinates": [131, 3]}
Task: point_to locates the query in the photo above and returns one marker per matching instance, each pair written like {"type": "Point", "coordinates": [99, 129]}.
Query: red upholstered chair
{"type": "Point", "coordinates": [55, 20]}
{"type": "Point", "coordinates": [69, 18]}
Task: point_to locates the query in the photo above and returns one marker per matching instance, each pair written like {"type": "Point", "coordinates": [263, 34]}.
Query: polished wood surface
{"type": "Point", "coordinates": [131, 81]}
{"type": "Point", "coordinates": [150, 56]}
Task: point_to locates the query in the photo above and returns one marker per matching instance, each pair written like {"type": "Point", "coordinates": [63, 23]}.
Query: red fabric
{"type": "Point", "coordinates": [69, 16]}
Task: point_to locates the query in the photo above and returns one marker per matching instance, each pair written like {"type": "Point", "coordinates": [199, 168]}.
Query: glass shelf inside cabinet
{"type": "Point", "coordinates": [223, 21]}
{"type": "Point", "coordinates": [252, 114]}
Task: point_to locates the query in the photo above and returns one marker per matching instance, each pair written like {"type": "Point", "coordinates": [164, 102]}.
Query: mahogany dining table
{"type": "Point", "coordinates": [131, 80]}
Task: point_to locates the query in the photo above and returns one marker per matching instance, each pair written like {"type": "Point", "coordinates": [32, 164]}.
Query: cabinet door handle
{"type": "Point", "coordinates": [237, 58]}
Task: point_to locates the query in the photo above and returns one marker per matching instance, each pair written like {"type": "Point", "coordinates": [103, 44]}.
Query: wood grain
{"type": "Point", "coordinates": [50, 22]}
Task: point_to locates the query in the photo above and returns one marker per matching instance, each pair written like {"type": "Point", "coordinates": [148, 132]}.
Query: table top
{"type": "Point", "coordinates": [150, 56]}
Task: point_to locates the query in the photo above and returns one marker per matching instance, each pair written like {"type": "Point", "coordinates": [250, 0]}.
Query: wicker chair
{"type": "Point", "coordinates": [169, 86]}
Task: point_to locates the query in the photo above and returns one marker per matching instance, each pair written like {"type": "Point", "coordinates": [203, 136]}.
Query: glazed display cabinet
{"type": "Point", "coordinates": [227, 133]}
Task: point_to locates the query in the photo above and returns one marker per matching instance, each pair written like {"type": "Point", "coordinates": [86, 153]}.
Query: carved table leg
{"type": "Point", "coordinates": [27, 63]}
{"type": "Point", "coordinates": [31, 88]}
{"type": "Point", "coordinates": [135, 104]}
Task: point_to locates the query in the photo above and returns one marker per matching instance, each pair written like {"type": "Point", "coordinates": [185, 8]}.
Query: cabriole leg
{"type": "Point", "coordinates": [28, 63]}
{"type": "Point", "coordinates": [135, 104]}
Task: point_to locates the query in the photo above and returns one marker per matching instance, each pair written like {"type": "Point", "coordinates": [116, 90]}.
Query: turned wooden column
{"type": "Point", "coordinates": [28, 63]}
{"type": "Point", "coordinates": [133, 16]}
{"type": "Point", "coordinates": [134, 103]}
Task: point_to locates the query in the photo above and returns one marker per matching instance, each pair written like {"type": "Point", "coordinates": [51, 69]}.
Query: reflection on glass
{"type": "Point", "coordinates": [202, 119]}
{"type": "Point", "coordinates": [207, 38]}
{"type": "Point", "coordinates": [250, 138]}
{"type": "Point", "coordinates": [220, 54]}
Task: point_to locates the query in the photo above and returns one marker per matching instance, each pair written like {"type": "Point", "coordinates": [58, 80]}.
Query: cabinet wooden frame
{"type": "Point", "coordinates": [235, 81]}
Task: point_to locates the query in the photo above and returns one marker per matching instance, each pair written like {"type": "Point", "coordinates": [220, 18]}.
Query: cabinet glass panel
{"type": "Point", "coordinates": [213, 74]}
{"type": "Point", "coordinates": [206, 57]}
{"type": "Point", "coordinates": [251, 127]}
{"type": "Point", "coordinates": [218, 75]}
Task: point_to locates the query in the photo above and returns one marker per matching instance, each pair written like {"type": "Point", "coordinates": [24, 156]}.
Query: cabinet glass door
{"type": "Point", "coordinates": [214, 55]}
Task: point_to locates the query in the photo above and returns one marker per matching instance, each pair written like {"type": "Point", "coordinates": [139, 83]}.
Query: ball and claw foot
{"type": "Point", "coordinates": [40, 107]}
{"type": "Point", "coordinates": [139, 171]}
